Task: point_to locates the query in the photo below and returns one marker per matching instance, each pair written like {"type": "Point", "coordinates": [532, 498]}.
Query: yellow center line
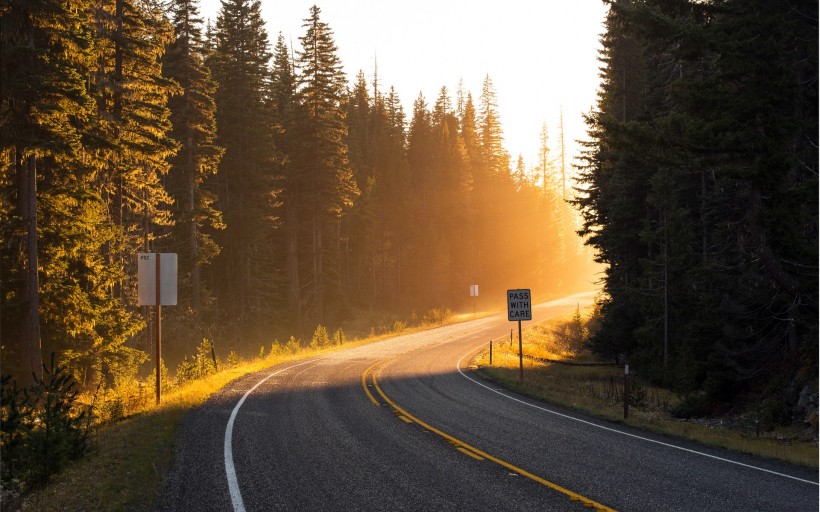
{"type": "Point", "coordinates": [364, 385]}
{"type": "Point", "coordinates": [468, 453]}
{"type": "Point", "coordinates": [465, 448]}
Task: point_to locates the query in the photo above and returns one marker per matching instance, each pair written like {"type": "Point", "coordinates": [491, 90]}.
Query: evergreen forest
{"type": "Point", "coordinates": [295, 197]}
{"type": "Point", "coordinates": [292, 196]}
{"type": "Point", "coordinates": [698, 190]}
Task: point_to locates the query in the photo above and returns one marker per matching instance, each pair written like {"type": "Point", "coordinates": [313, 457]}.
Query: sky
{"type": "Point", "coordinates": [541, 55]}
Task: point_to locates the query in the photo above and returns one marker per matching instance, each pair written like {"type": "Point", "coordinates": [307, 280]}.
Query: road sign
{"type": "Point", "coordinates": [157, 286]}
{"type": "Point", "coordinates": [473, 290]}
{"type": "Point", "coordinates": [147, 279]}
{"type": "Point", "coordinates": [519, 305]}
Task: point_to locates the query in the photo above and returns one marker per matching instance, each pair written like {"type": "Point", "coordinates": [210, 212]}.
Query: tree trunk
{"type": "Point", "coordinates": [31, 357]}
{"type": "Point", "coordinates": [292, 243]}
{"type": "Point", "coordinates": [194, 245]}
{"type": "Point", "coordinates": [318, 269]}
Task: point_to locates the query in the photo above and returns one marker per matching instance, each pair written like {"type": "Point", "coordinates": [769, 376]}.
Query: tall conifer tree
{"type": "Point", "coordinates": [194, 125]}
{"type": "Point", "coordinates": [323, 157]}
{"type": "Point", "coordinates": [286, 112]}
{"type": "Point", "coordinates": [246, 186]}
{"type": "Point", "coordinates": [43, 101]}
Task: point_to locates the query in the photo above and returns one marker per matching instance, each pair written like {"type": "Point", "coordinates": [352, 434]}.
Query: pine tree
{"type": "Point", "coordinates": [323, 157]}
{"type": "Point", "coordinates": [493, 154]}
{"type": "Point", "coordinates": [246, 185]}
{"type": "Point", "coordinates": [45, 57]}
{"type": "Point", "coordinates": [614, 188]}
{"type": "Point", "coordinates": [418, 216]}
{"type": "Point", "coordinates": [194, 126]}
{"type": "Point", "coordinates": [128, 147]}
{"type": "Point", "coordinates": [286, 112]}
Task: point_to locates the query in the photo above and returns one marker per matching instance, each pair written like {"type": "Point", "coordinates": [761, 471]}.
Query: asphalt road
{"type": "Point", "coordinates": [403, 424]}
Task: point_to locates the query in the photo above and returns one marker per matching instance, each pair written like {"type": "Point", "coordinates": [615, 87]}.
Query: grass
{"type": "Point", "coordinates": [598, 391]}
{"type": "Point", "coordinates": [124, 468]}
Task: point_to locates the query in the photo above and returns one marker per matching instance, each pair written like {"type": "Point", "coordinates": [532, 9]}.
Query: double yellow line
{"type": "Point", "coordinates": [465, 448]}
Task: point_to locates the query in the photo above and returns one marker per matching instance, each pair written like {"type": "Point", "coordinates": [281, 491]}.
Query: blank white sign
{"type": "Point", "coordinates": [147, 278]}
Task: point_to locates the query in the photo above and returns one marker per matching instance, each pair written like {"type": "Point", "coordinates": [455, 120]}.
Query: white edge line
{"type": "Point", "coordinates": [230, 470]}
{"type": "Point", "coordinates": [458, 367]}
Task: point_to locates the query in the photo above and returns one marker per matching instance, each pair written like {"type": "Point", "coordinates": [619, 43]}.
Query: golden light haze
{"type": "Point", "coordinates": [541, 55]}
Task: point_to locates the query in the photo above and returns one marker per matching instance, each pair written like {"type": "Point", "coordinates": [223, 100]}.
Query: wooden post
{"type": "Point", "coordinates": [491, 352]}
{"type": "Point", "coordinates": [213, 355]}
{"type": "Point", "coordinates": [626, 391]}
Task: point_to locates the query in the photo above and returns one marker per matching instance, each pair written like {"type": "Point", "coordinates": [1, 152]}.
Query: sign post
{"type": "Point", "coordinates": [626, 391]}
{"type": "Point", "coordinates": [519, 308]}
{"type": "Point", "coordinates": [157, 286]}
{"type": "Point", "coordinates": [474, 294]}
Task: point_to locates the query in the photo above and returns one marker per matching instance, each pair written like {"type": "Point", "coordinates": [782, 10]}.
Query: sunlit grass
{"type": "Point", "coordinates": [124, 468]}
{"type": "Point", "coordinates": [598, 390]}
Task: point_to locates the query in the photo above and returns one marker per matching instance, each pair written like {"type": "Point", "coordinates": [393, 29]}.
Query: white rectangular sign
{"type": "Point", "coordinates": [473, 290]}
{"type": "Point", "coordinates": [519, 305]}
{"type": "Point", "coordinates": [147, 279]}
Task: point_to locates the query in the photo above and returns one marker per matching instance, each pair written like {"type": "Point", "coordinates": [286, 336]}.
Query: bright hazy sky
{"type": "Point", "coordinates": [540, 54]}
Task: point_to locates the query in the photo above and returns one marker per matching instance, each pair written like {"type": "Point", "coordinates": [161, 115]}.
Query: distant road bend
{"type": "Point", "coordinates": [402, 424]}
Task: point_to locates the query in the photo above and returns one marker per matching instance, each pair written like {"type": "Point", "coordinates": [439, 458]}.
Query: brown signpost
{"type": "Point", "coordinates": [157, 286]}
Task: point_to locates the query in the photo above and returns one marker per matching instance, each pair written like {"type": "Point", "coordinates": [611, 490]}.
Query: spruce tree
{"type": "Point", "coordinates": [45, 58]}
{"type": "Point", "coordinates": [246, 184]}
{"type": "Point", "coordinates": [128, 147]}
{"type": "Point", "coordinates": [323, 158]}
{"type": "Point", "coordinates": [286, 112]}
{"type": "Point", "coordinates": [194, 126]}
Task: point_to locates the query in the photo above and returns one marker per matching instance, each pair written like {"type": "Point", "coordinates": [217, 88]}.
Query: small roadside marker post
{"type": "Point", "coordinates": [519, 308]}
{"type": "Point", "coordinates": [491, 352]}
{"type": "Point", "coordinates": [474, 294]}
{"type": "Point", "coordinates": [626, 391]}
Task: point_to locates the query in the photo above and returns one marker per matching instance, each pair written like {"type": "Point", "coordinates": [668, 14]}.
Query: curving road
{"type": "Point", "coordinates": [403, 425]}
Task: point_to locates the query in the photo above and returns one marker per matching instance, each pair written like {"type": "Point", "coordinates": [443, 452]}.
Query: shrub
{"type": "Point", "coordinates": [43, 427]}
{"type": "Point", "coordinates": [293, 345]}
{"type": "Point", "coordinates": [320, 337]}
{"type": "Point", "coordinates": [199, 365]}
{"type": "Point", "coordinates": [692, 405]}
{"type": "Point", "coordinates": [339, 337]}
{"type": "Point", "coordinates": [438, 316]}
{"type": "Point", "coordinates": [275, 349]}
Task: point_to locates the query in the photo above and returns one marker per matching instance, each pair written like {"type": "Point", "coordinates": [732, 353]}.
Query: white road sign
{"type": "Point", "coordinates": [519, 305]}
{"type": "Point", "coordinates": [147, 279]}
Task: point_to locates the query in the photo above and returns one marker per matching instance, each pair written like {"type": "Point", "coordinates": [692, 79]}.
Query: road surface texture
{"type": "Point", "coordinates": [403, 424]}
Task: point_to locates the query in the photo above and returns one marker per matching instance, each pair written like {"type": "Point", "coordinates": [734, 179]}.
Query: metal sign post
{"type": "Point", "coordinates": [157, 286]}
{"type": "Point", "coordinates": [474, 294]}
{"type": "Point", "coordinates": [519, 308]}
{"type": "Point", "coordinates": [159, 327]}
{"type": "Point", "coordinates": [520, 356]}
